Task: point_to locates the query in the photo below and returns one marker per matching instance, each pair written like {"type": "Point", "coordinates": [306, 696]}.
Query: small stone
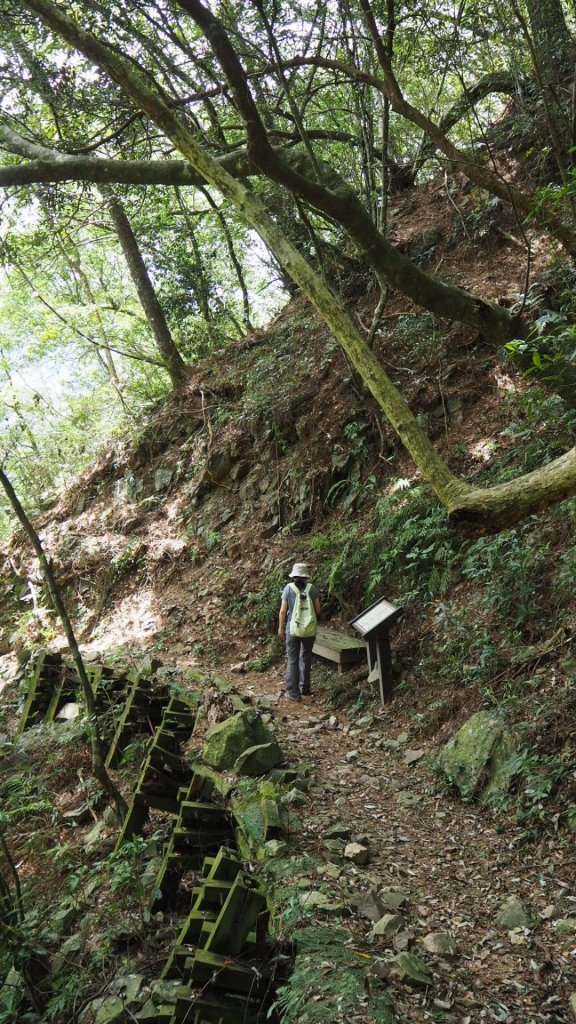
{"type": "Point", "coordinates": [259, 759]}
{"type": "Point", "coordinates": [128, 986]}
{"type": "Point", "coordinates": [407, 799]}
{"type": "Point", "coordinates": [95, 835]}
{"type": "Point", "coordinates": [328, 870]}
{"type": "Point", "coordinates": [107, 1010]}
{"type": "Point", "coordinates": [110, 817]}
{"type": "Point", "coordinates": [411, 756]}
{"type": "Point", "coordinates": [295, 796]}
{"type": "Point", "coordinates": [393, 899]}
{"type": "Point", "coordinates": [163, 478]}
{"type": "Point", "coordinates": [333, 845]}
{"type": "Point", "coordinates": [369, 907]}
{"type": "Point", "coordinates": [572, 1002]}
{"type": "Point", "coordinates": [275, 848]}
{"type": "Point", "coordinates": [61, 920]}
{"type": "Point", "coordinates": [410, 968]}
{"type": "Point", "coordinates": [365, 722]}
{"type": "Point", "coordinates": [439, 942]}
{"type": "Point", "coordinates": [391, 745]}
{"type": "Point", "coordinates": [69, 952]}
{"type": "Point", "coordinates": [352, 755]}
{"type": "Point", "coordinates": [403, 940]}
{"type": "Point", "coordinates": [167, 991]}
{"type": "Point", "coordinates": [338, 831]}
{"type": "Point", "coordinates": [68, 712]}
{"type": "Point", "coordinates": [566, 925]}
{"type": "Point", "coordinates": [357, 853]}
{"type": "Point", "coordinates": [514, 914]}
{"type": "Point", "coordinates": [314, 900]}
{"type": "Point", "coordinates": [388, 925]}
{"type": "Point", "coordinates": [441, 1004]}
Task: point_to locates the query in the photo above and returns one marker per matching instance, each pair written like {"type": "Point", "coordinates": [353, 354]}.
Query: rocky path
{"type": "Point", "coordinates": [491, 917]}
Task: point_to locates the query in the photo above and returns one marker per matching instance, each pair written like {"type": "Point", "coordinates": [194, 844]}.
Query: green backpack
{"type": "Point", "coordinates": [303, 619]}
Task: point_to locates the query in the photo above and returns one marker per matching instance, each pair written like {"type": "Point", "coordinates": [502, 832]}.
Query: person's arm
{"type": "Point", "coordinates": [282, 619]}
{"type": "Point", "coordinates": [317, 607]}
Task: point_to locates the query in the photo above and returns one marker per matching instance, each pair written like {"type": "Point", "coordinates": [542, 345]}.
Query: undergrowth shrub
{"type": "Point", "coordinates": [405, 547]}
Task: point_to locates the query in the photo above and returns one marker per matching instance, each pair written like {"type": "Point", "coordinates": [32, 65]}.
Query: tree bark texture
{"type": "Point", "coordinates": [553, 44]}
{"type": "Point", "coordinates": [153, 311]}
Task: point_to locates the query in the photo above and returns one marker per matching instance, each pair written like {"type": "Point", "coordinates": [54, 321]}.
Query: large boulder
{"type": "Point", "coordinates": [226, 741]}
{"type": "Point", "coordinates": [479, 759]}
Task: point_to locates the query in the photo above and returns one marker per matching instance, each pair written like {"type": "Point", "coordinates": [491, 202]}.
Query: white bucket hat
{"type": "Point", "coordinates": [300, 569]}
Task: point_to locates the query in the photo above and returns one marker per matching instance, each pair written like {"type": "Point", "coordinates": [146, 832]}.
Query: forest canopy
{"type": "Point", "coordinates": [144, 145]}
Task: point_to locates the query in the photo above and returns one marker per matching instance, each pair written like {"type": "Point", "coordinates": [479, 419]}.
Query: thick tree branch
{"type": "Point", "coordinates": [49, 165]}
{"type": "Point", "coordinates": [493, 507]}
{"type": "Point", "coordinates": [333, 197]}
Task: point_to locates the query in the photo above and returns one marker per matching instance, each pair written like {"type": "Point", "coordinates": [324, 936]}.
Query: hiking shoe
{"type": "Point", "coordinates": [306, 691]}
{"type": "Point", "coordinates": [293, 696]}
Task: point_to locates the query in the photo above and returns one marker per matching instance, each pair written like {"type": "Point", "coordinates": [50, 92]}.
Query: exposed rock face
{"type": "Point", "coordinates": [478, 759]}
{"type": "Point", "coordinates": [226, 741]}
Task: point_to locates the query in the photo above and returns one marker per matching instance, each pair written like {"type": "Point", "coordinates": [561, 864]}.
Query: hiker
{"type": "Point", "coordinates": [299, 611]}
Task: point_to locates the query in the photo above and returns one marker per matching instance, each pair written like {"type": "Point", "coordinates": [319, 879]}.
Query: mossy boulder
{"type": "Point", "coordinates": [226, 741]}
{"type": "Point", "coordinates": [515, 914]}
{"type": "Point", "coordinates": [479, 759]}
{"type": "Point", "coordinates": [259, 760]}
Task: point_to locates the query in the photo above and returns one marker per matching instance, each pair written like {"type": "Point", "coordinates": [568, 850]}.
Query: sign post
{"type": "Point", "coordinates": [374, 625]}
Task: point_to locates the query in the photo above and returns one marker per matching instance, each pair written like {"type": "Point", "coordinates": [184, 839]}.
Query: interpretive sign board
{"type": "Point", "coordinates": [374, 624]}
{"type": "Point", "coordinates": [377, 618]}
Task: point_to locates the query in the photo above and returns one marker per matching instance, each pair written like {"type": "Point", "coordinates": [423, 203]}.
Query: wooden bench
{"type": "Point", "coordinates": [343, 650]}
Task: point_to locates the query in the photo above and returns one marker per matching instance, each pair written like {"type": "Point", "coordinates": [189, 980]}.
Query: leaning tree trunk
{"type": "Point", "coordinates": [98, 765]}
{"type": "Point", "coordinates": [491, 509]}
{"type": "Point", "coordinates": [153, 311]}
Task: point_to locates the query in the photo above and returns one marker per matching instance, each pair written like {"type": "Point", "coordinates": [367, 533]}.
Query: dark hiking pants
{"type": "Point", "coordinates": [299, 660]}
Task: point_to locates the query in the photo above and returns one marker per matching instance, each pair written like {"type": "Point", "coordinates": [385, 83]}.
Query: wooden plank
{"type": "Point", "coordinates": [192, 930]}
{"type": "Point", "coordinates": [212, 893]}
{"type": "Point", "coordinates": [208, 839]}
{"type": "Point", "coordinates": [337, 647]}
{"type": "Point", "coordinates": [215, 970]}
{"type": "Point", "coordinates": [224, 866]}
{"type": "Point", "coordinates": [212, 1010]}
{"type": "Point", "coordinates": [203, 812]}
{"type": "Point", "coordinates": [160, 802]}
{"type": "Point", "coordinates": [339, 641]}
{"type": "Point", "coordinates": [236, 919]}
